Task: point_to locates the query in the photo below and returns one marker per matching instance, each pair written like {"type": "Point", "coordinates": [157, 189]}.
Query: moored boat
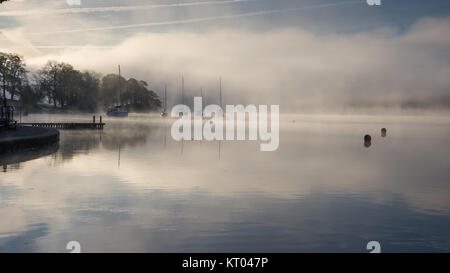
{"type": "Point", "coordinates": [117, 112]}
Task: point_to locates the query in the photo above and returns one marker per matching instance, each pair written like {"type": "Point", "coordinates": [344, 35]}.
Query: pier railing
{"type": "Point", "coordinates": [68, 125]}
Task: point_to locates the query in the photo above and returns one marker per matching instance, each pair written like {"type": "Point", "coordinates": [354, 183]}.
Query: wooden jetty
{"type": "Point", "coordinates": [68, 125]}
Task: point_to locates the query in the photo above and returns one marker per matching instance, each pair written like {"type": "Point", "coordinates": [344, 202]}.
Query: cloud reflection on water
{"type": "Point", "coordinates": [321, 191]}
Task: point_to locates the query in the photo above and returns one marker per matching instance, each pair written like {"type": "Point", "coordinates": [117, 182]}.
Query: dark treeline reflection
{"type": "Point", "coordinates": [77, 142]}
{"type": "Point", "coordinates": [13, 160]}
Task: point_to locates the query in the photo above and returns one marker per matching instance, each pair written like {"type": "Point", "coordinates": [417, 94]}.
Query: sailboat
{"type": "Point", "coordinates": [117, 111]}
{"type": "Point", "coordinates": [164, 112]}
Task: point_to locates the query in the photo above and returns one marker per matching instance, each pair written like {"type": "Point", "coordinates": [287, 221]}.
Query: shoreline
{"type": "Point", "coordinates": [25, 137]}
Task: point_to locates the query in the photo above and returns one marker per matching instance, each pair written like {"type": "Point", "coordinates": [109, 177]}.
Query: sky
{"type": "Point", "coordinates": [296, 53]}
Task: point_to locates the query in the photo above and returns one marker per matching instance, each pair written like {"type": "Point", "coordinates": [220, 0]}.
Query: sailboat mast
{"type": "Point", "coordinates": [201, 95]}
{"type": "Point", "coordinates": [182, 89]}
{"type": "Point", "coordinates": [165, 97]}
{"type": "Point", "coordinates": [220, 101]}
{"type": "Point", "coordinates": [220, 91]}
{"type": "Point", "coordinates": [120, 89]}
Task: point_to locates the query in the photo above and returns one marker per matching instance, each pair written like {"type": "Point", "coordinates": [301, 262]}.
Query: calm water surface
{"type": "Point", "coordinates": [132, 188]}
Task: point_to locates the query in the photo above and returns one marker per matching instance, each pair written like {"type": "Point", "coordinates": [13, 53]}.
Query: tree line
{"type": "Point", "coordinates": [63, 87]}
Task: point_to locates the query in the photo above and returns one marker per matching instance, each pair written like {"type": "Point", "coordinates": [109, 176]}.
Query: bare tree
{"type": "Point", "coordinates": [17, 74]}
{"type": "Point", "coordinates": [12, 73]}
{"type": "Point", "coordinates": [3, 71]}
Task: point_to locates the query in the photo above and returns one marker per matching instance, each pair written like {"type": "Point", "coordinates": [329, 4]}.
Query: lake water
{"type": "Point", "coordinates": [132, 188]}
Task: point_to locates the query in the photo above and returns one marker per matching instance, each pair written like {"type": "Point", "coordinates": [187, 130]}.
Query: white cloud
{"type": "Point", "coordinates": [286, 66]}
